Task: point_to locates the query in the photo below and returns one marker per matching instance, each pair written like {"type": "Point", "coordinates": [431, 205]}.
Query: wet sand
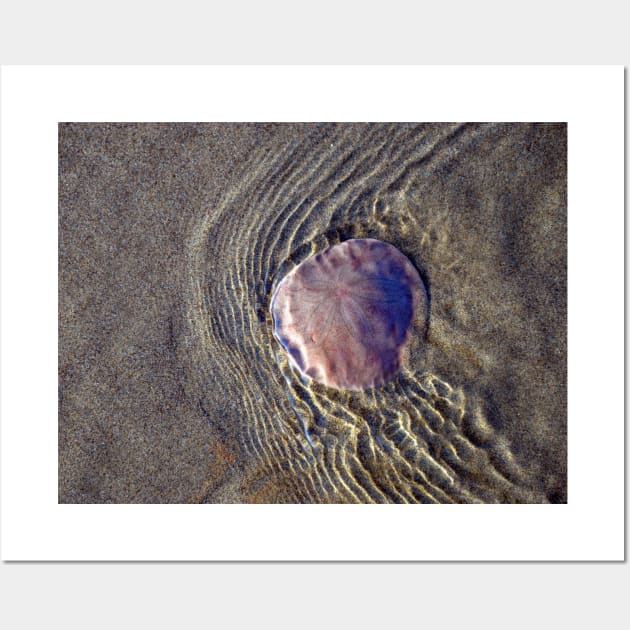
{"type": "Point", "coordinates": [171, 240]}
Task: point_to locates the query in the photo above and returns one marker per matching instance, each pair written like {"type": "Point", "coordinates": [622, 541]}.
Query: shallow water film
{"type": "Point", "coordinates": [173, 387]}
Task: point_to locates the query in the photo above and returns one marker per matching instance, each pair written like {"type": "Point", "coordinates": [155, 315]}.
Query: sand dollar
{"type": "Point", "coordinates": [344, 315]}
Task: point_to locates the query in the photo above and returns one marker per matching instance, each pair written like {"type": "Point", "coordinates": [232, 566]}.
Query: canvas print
{"type": "Point", "coordinates": [313, 313]}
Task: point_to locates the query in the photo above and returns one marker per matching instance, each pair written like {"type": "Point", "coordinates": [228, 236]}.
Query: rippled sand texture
{"type": "Point", "coordinates": [479, 412]}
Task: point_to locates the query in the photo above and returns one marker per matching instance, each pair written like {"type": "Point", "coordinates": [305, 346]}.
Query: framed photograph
{"type": "Point", "coordinates": [313, 313]}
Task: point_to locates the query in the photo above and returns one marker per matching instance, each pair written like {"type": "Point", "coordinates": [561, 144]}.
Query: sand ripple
{"type": "Point", "coordinates": [424, 437]}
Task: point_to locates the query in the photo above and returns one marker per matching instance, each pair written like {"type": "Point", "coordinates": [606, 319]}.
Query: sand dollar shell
{"type": "Point", "coordinates": [344, 314]}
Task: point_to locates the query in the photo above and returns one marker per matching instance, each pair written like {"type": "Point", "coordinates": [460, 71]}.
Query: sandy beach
{"type": "Point", "coordinates": [172, 239]}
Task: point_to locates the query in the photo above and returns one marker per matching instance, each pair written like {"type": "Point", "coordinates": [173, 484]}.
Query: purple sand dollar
{"type": "Point", "coordinates": [344, 315]}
